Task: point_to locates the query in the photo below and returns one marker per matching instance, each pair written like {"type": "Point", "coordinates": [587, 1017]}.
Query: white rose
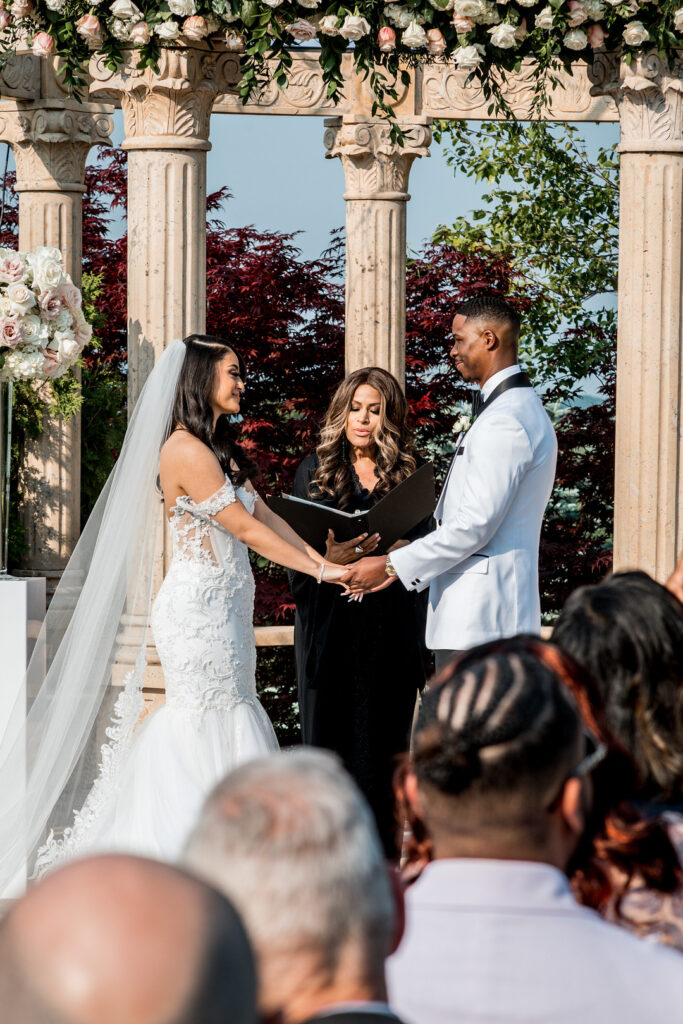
{"type": "Point", "coordinates": [311, 4]}
{"type": "Point", "coordinates": [54, 5]}
{"type": "Point", "coordinates": [635, 34]}
{"type": "Point", "coordinates": [167, 30]}
{"type": "Point", "coordinates": [414, 36]}
{"type": "Point", "coordinates": [302, 30]}
{"type": "Point", "coordinates": [36, 331]}
{"type": "Point", "coordinates": [503, 36]}
{"type": "Point", "coordinates": [595, 9]}
{"type": "Point", "coordinates": [21, 298]}
{"type": "Point", "coordinates": [182, 7]}
{"type": "Point", "coordinates": [405, 16]}
{"type": "Point", "coordinates": [526, 3]}
{"type": "Point", "coordinates": [468, 8]}
{"type": "Point", "coordinates": [126, 10]}
{"type": "Point", "coordinates": [273, 3]}
{"type": "Point", "coordinates": [354, 27]}
{"type": "Point", "coordinates": [544, 18]}
{"type": "Point", "coordinates": [328, 26]}
{"type": "Point", "coordinates": [678, 19]}
{"type": "Point", "coordinates": [66, 345]}
{"type": "Point", "coordinates": [576, 39]}
{"type": "Point", "coordinates": [469, 57]}
{"type": "Point", "coordinates": [46, 264]}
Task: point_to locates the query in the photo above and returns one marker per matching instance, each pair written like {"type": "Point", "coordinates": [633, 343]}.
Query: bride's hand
{"type": "Point", "coordinates": [333, 573]}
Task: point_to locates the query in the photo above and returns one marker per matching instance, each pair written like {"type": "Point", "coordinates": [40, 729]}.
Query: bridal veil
{"type": "Point", "coordinates": [49, 757]}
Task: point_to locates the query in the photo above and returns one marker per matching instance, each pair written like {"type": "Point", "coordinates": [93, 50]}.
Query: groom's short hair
{"type": "Point", "coordinates": [493, 308]}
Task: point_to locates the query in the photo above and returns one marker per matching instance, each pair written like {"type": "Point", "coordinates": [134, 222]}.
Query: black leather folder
{"type": "Point", "coordinates": [392, 517]}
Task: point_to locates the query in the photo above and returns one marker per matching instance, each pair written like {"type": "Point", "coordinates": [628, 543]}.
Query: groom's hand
{"type": "Point", "coordinates": [366, 574]}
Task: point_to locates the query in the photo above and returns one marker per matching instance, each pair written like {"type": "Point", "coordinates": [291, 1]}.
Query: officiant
{"type": "Point", "coordinates": [359, 665]}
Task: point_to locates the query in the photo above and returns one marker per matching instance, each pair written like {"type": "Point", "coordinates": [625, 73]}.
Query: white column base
{"type": "Point", "coordinates": [22, 610]}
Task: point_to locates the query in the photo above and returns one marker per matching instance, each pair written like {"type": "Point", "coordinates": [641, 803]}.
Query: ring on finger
{"type": "Point", "coordinates": [358, 549]}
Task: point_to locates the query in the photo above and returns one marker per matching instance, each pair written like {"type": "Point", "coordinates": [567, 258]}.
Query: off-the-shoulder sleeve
{"type": "Point", "coordinates": [210, 506]}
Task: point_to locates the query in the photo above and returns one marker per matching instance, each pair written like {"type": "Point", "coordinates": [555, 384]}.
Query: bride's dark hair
{"type": "Point", "coordinates": [192, 405]}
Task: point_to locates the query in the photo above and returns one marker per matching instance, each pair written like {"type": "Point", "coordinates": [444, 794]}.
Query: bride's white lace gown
{"type": "Point", "coordinates": [152, 782]}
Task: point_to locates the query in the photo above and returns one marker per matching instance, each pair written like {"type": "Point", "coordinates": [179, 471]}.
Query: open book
{"type": "Point", "coordinates": [392, 517]}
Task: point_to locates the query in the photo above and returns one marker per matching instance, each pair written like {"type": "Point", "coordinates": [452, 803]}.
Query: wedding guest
{"type": "Point", "coordinates": [115, 939]}
{"type": "Point", "coordinates": [502, 778]}
{"type": "Point", "coordinates": [627, 631]}
{"type": "Point", "coordinates": [359, 666]}
{"type": "Point", "coordinates": [291, 841]}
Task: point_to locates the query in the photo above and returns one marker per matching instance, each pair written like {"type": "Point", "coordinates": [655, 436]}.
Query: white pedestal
{"type": "Point", "coordinates": [22, 610]}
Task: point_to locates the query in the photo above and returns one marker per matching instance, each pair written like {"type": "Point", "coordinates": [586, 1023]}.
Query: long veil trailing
{"type": "Point", "coordinates": [49, 757]}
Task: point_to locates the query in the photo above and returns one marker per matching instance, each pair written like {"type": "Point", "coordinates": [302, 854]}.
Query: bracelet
{"type": "Point", "coordinates": [320, 574]}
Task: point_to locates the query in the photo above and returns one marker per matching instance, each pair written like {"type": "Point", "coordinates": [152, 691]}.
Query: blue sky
{"type": "Point", "coordinates": [276, 170]}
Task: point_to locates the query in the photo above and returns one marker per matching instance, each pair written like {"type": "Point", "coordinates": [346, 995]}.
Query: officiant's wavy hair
{"type": "Point", "coordinates": [192, 406]}
{"type": "Point", "coordinates": [395, 457]}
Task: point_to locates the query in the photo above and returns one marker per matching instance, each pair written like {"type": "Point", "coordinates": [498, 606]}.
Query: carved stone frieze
{"type": "Point", "coordinates": [444, 92]}
{"type": "Point", "coordinates": [173, 104]}
{"type": "Point", "coordinates": [649, 96]}
{"type": "Point", "coordinates": [20, 77]}
{"type": "Point", "coordinates": [51, 144]}
{"type": "Point", "coordinates": [374, 166]}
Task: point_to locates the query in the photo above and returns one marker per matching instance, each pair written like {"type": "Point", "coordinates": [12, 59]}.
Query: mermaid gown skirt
{"type": "Point", "coordinates": [154, 777]}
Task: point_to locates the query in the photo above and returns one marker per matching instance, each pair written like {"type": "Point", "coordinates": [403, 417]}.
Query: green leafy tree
{"type": "Point", "coordinates": [552, 212]}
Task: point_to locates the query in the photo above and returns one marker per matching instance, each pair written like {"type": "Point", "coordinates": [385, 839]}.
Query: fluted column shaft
{"type": "Point", "coordinates": [51, 139]}
{"type": "Point", "coordinates": [166, 120]}
{"type": "Point", "coordinates": [648, 528]}
{"type": "Point", "coordinates": [376, 172]}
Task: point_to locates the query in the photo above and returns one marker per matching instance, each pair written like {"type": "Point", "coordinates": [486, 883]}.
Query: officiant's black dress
{"type": "Point", "coordinates": [359, 667]}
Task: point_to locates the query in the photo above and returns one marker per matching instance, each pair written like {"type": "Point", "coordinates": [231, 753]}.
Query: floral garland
{"type": "Point", "coordinates": [480, 36]}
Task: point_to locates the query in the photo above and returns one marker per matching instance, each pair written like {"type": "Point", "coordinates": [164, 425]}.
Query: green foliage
{"type": "Point", "coordinates": [553, 212]}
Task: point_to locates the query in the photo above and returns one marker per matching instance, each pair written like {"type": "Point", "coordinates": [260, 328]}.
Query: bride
{"type": "Point", "coordinates": [149, 786]}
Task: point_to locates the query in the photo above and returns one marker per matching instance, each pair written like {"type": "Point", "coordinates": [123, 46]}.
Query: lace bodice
{"type": "Point", "coordinates": [202, 619]}
{"type": "Point", "coordinates": [198, 538]}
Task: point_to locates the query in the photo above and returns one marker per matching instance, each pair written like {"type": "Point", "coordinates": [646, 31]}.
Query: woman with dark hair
{"type": "Point", "coordinates": [151, 787]}
{"type": "Point", "coordinates": [627, 632]}
{"type": "Point", "coordinates": [359, 666]}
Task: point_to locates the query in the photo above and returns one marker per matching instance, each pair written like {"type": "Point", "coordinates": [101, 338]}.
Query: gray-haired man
{"type": "Point", "coordinates": [292, 842]}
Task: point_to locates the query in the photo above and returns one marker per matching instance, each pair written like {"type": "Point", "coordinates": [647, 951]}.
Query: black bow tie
{"type": "Point", "coordinates": [477, 403]}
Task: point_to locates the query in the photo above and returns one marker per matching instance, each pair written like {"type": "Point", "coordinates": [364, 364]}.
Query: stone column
{"type": "Point", "coordinates": [376, 172]}
{"type": "Point", "coordinates": [166, 117]}
{"type": "Point", "coordinates": [648, 531]}
{"type": "Point", "coordinates": [51, 138]}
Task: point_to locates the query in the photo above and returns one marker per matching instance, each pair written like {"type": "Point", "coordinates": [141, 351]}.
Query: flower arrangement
{"type": "Point", "coordinates": [42, 327]}
{"type": "Point", "coordinates": [480, 36]}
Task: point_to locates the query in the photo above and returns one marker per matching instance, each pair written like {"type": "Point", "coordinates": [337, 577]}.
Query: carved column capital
{"type": "Point", "coordinates": [51, 142]}
{"type": "Point", "coordinates": [170, 109]}
{"type": "Point", "coordinates": [649, 96]}
{"type": "Point", "coordinates": [374, 166]}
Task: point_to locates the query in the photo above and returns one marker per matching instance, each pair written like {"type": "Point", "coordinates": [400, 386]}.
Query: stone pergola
{"type": "Point", "coordinates": [167, 118]}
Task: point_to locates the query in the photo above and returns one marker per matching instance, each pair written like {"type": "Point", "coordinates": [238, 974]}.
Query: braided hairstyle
{"type": "Point", "coordinates": [627, 632]}
{"type": "Point", "coordinates": [498, 733]}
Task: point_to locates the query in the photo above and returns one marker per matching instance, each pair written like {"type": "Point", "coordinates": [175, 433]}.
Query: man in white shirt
{"type": "Point", "coordinates": [481, 561]}
{"type": "Point", "coordinates": [503, 778]}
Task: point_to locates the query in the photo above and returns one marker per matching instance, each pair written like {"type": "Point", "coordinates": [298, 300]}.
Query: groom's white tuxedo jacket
{"type": "Point", "coordinates": [481, 561]}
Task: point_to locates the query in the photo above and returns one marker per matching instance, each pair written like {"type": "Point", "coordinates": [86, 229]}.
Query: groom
{"type": "Point", "coordinates": [481, 561]}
